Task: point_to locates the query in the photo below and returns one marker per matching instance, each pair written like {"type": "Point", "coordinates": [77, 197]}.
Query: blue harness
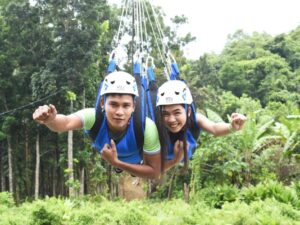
{"type": "Point", "coordinates": [192, 135]}
{"type": "Point", "coordinates": [192, 142]}
{"type": "Point", "coordinates": [127, 148]}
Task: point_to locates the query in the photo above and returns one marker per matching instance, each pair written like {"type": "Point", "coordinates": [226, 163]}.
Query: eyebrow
{"type": "Point", "coordinates": [173, 111]}
{"type": "Point", "coordinates": [120, 103]}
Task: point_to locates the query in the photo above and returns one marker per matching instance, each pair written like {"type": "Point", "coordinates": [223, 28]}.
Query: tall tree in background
{"type": "Point", "coordinates": [37, 166]}
{"type": "Point", "coordinates": [71, 97]}
{"type": "Point", "coordinates": [77, 32]}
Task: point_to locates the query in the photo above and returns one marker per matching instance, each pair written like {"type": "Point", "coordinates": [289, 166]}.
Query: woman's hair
{"type": "Point", "coordinates": [166, 137]}
{"type": "Point", "coordinates": [159, 124]}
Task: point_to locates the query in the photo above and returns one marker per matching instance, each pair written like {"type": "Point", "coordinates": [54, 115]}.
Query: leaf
{"type": "Point", "coordinates": [213, 116]}
{"type": "Point", "coordinates": [264, 140]}
{"type": "Point", "coordinates": [288, 147]}
{"type": "Point", "coordinates": [264, 128]}
{"type": "Point", "coordinates": [71, 96]}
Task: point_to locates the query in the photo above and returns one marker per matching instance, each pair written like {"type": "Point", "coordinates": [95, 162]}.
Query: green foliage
{"type": "Point", "coordinates": [270, 210]}
{"type": "Point", "coordinates": [44, 217]}
{"type": "Point", "coordinates": [8, 123]}
{"type": "Point", "coordinates": [6, 199]}
{"type": "Point", "coordinates": [51, 46]}
{"type": "Point", "coordinates": [271, 189]}
{"type": "Point", "coordinates": [216, 196]}
{"type": "Point", "coordinates": [71, 96]}
{"type": "Point", "coordinates": [2, 135]}
{"type": "Point", "coordinates": [266, 148]}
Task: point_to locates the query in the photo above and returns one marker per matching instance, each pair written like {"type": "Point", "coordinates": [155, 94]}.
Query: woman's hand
{"type": "Point", "coordinates": [237, 121]}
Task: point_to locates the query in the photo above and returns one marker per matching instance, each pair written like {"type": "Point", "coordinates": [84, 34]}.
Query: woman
{"type": "Point", "coordinates": [179, 125]}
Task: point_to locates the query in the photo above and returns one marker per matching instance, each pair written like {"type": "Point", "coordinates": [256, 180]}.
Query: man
{"type": "Point", "coordinates": [114, 137]}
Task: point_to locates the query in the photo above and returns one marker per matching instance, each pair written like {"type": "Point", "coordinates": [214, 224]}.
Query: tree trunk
{"type": "Point", "coordinates": [110, 185]}
{"type": "Point", "coordinates": [186, 191]}
{"type": "Point", "coordinates": [56, 171]}
{"type": "Point", "coordinates": [37, 166]}
{"type": "Point", "coordinates": [70, 162]}
{"type": "Point", "coordinates": [81, 192]}
{"type": "Point", "coordinates": [27, 153]}
{"type": "Point", "coordinates": [70, 158]}
{"type": "Point", "coordinates": [81, 182]}
{"type": "Point", "coordinates": [10, 165]}
{"type": "Point", "coordinates": [170, 189]}
{"type": "Point", "coordinates": [2, 178]}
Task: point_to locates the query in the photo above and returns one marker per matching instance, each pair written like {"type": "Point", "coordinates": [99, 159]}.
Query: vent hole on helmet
{"type": "Point", "coordinates": [177, 92]}
{"type": "Point", "coordinates": [127, 82]}
{"type": "Point", "coordinates": [162, 94]}
{"type": "Point", "coordinates": [112, 82]}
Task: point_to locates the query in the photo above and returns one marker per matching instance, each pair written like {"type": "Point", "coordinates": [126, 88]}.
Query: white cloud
{"type": "Point", "coordinates": [211, 21]}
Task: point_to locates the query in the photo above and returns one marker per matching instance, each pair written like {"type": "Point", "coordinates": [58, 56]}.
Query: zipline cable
{"type": "Point", "coordinates": [156, 39]}
{"type": "Point", "coordinates": [29, 104]}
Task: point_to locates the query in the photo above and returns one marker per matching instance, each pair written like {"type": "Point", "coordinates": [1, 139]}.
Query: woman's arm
{"type": "Point", "coordinates": [221, 128]}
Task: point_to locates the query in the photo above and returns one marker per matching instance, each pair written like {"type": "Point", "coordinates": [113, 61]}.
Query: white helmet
{"type": "Point", "coordinates": [119, 82]}
{"type": "Point", "coordinates": [174, 92]}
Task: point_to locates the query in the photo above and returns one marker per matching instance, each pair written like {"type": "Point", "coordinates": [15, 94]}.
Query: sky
{"type": "Point", "coordinates": [211, 21]}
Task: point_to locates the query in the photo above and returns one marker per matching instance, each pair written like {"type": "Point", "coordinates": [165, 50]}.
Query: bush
{"type": "Point", "coordinates": [44, 217]}
{"type": "Point", "coordinates": [6, 199]}
{"type": "Point", "coordinates": [270, 189]}
{"type": "Point", "coordinates": [216, 196]}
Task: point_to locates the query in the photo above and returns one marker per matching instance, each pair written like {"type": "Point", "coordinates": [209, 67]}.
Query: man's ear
{"type": "Point", "coordinates": [189, 111]}
{"type": "Point", "coordinates": [102, 103]}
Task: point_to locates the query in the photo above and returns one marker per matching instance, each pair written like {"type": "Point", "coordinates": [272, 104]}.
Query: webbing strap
{"type": "Point", "coordinates": [139, 115]}
{"type": "Point", "coordinates": [151, 100]}
{"type": "Point", "coordinates": [174, 71]}
{"type": "Point", "coordinates": [151, 75]}
{"type": "Point", "coordinates": [111, 66]}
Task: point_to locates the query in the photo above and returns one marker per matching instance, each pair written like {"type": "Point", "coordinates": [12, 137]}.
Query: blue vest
{"type": "Point", "coordinates": [191, 141]}
{"type": "Point", "coordinates": [127, 147]}
{"type": "Point", "coordinates": [192, 136]}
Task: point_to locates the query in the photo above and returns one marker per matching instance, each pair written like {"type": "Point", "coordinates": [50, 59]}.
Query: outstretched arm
{"type": "Point", "coordinates": [47, 115]}
{"type": "Point", "coordinates": [150, 169]}
{"type": "Point", "coordinates": [220, 129]}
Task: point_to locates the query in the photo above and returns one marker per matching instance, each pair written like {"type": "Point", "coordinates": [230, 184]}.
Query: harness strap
{"type": "Point", "coordinates": [139, 115]}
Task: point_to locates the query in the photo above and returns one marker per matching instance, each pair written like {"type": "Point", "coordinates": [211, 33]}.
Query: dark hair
{"type": "Point", "coordinates": [119, 94]}
{"type": "Point", "coordinates": [163, 137]}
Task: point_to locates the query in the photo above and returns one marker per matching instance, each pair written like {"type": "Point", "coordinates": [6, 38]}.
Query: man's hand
{"type": "Point", "coordinates": [237, 121]}
{"type": "Point", "coordinates": [44, 114]}
{"type": "Point", "coordinates": [109, 153]}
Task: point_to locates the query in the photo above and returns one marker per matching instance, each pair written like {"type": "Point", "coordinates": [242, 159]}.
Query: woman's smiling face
{"type": "Point", "coordinates": [174, 117]}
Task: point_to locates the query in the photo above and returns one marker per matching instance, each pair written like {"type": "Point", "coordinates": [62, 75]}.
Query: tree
{"type": "Point", "coordinates": [37, 167]}
{"type": "Point", "coordinates": [71, 97]}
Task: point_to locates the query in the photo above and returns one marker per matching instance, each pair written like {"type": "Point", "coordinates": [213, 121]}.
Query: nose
{"type": "Point", "coordinates": [171, 118]}
{"type": "Point", "coordinates": [119, 111]}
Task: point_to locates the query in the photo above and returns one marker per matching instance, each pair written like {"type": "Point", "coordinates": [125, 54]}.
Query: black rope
{"type": "Point", "coordinates": [29, 104]}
